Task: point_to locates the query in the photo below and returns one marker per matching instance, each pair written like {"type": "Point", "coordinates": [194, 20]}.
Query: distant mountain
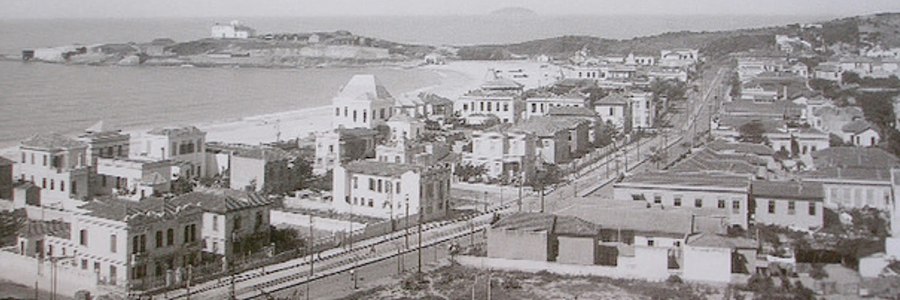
{"type": "Point", "coordinates": [513, 11]}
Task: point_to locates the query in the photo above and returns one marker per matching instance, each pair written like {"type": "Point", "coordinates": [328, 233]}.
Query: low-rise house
{"type": "Point", "coordinates": [405, 127]}
{"type": "Point", "coordinates": [539, 104]}
{"type": "Point", "coordinates": [136, 245]}
{"type": "Point", "coordinates": [503, 152]}
{"type": "Point", "coordinates": [833, 119]}
{"type": "Point", "coordinates": [707, 160]}
{"type": "Point", "coordinates": [185, 144]}
{"type": "Point", "coordinates": [544, 237]}
{"type": "Point", "coordinates": [782, 203]}
{"type": "Point", "coordinates": [596, 124]}
{"type": "Point", "coordinates": [105, 143]}
{"type": "Point", "coordinates": [262, 169]}
{"type": "Point", "coordinates": [719, 195]}
{"type": "Point", "coordinates": [807, 140]}
{"type": "Point", "coordinates": [233, 222]}
{"type": "Point", "coordinates": [713, 258]}
{"type": "Point", "coordinates": [828, 71]}
{"type": "Point", "coordinates": [780, 110]}
{"type": "Point", "coordinates": [390, 191]}
{"type": "Point", "coordinates": [414, 152]}
{"type": "Point", "coordinates": [854, 177]}
{"type": "Point", "coordinates": [134, 179]}
{"type": "Point", "coordinates": [502, 98]}
{"type": "Point", "coordinates": [336, 146]}
{"type": "Point", "coordinates": [44, 239]}
{"type": "Point", "coordinates": [679, 57]}
{"type": "Point", "coordinates": [860, 133]}
{"type": "Point", "coordinates": [643, 110]}
{"type": "Point", "coordinates": [558, 137]}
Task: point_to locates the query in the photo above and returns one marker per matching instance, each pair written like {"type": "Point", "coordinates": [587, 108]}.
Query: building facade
{"type": "Point", "coordinates": [797, 204]}
{"type": "Point", "coordinates": [363, 102]}
{"type": "Point", "coordinates": [389, 190]}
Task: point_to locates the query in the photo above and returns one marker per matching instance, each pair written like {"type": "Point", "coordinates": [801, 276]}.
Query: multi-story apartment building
{"type": "Point", "coordinates": [783, 203]}
{"type": "Point", "coordinates": [389, 190]}
{"type": "Point", "coordinates": [363, 102]}
{"type": "Point", "coordinates": [58, 165]}
{"type": "Point", "coordinates": [717, 195]}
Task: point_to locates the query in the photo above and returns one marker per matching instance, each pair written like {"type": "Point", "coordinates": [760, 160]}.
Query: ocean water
{"type": "Point", "coordinates": [37, 98]}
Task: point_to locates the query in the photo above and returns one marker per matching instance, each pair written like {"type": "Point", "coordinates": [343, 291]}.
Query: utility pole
{"type": "Point", "coordinates": [421, 210]}
{"type": "Point", "coordinates": [542, 196]}
{"type": "Point", "coordinates": [406, 236]}
{"type": "Point", "coordinates": [188, 283]}
{"type": "Point", "coordinates": [231, 264]}
{"type": "Point", "coordinates": [489, 285]}
{"type": "Point", "coordinates": [312, 257]}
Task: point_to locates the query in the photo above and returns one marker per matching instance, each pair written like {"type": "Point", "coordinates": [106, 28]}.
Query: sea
{"type": "Point", "coordinates": [39, 98]}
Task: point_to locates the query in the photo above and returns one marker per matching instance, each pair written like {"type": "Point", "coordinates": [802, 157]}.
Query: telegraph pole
{"type": "Point", "coordinates": [312, 257]}
{"type": "Point", "coordinates": [421, 210]}
{"type": "Point", "coordinates": [406, 236]}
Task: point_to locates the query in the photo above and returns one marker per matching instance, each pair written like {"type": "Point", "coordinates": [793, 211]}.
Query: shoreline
{"type": "Point", "coordinates": [456, 78]}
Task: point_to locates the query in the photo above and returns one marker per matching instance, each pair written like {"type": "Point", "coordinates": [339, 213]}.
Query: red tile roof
{"type": "Point", "coordinates": [53, 141]}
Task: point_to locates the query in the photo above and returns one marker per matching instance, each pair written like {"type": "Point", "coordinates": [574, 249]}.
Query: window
{"type": "Point", "coordinates": [657, 199]}
{"type": "Point", "coordinates": [96, 267]}
{"type": "Point", "coordinates": [465, 107]}
{"type": "Point", "coordinates": [112, 243]}
{"type": "Point", "coordinates": [43, 183]}
{"type": "Point", "coordinates": [23, 157]}
{"type": "Point", "coordinates": [365, 118]}
{"type": "Point", "coordinates": [721, 204]}
{"type": "Point", "coordinates": [771, 206]}
{"type": "Point", "coordinates": [650, 243]}
{"type": "Point", "coordinates": [159, 239]}
{"type": "Point", "coordinates": [812, 208]}
{"type": "Point", "coordinates": [62, 186]}
{"type": "Point", "coordinates": [355, 182]}
{"type": "Point", "coordinates": [337, 111]}
{"type": "Point", "coordinates": [736, 206]}
{"type": "Point", "coordinates": [215, 223]}
{"type": "Point", "coordinates": [397, 191]}
{"type": "Point", "coordinates": [237, 223]}
{"type": "Point", "coordinates": [354, 116]}
{"type": "Point", "coordinates": [371, 203]}
{"type": "Point", "coordinates": [83, 237]}
{"type": "Point", "coordinates": [379, 186]}
{"type": "Point", "coordinates": [45, 160]}
{"type": "Point", "coordinates": [170, 237]}
{"type": "Point", "coordinates": [533, 110]}
{"type": "Point", "coordinates": [84, 264]}
{"type": "Point", "coordinates": [52, 184]}
{"type": "Point", "coordinates": [32, 158]}
{"type": "Point", "coordinates": [489, 106]}
{"type": "Point", "coordinates": [677, 201]}
{"type": "Point", "coordinates": [259, 220]}
{"type": "Point", "coordinates": [505, 107]}
{"type": "Point", "coordinates": [611, 111]}
{"type": "Point", "coordinates": [698, 202]}
{"type": "Point", "coordinates": [791, 207]}
{"type": "Point", "coordinates": [187, 234]}
{"type": "Point", "coordinates": [371, 184]}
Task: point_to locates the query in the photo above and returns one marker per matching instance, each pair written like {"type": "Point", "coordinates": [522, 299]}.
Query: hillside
{"type": "Point", "coordinates": [860, 31]}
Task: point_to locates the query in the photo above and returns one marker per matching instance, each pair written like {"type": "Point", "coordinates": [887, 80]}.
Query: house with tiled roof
{"type": "Point", "coordinates": [854, 177]}
{"type": "Point", "coordinates": [362, 102]}
{"type": "Point", "coordinates": [861, 133]}
{"type": "Point", "coordinates": [788, 203]}
{"type": "Point", "coordinates": [390, 190]}
{"type": "Point", "coordinates": [185, 145]}
{"type": "Point", "coordinates": [233, 221]}
{"type": "Point", "coordinates": [502, 98]}
{"type": "Point", "coordinates": [503, 151]}
{"type": "Point", "coordinates": [558, 137]}
{"type": "Point", "coordinates": [57, 164]}
{"type": "Point", "coordinates": [539, 103]}
{"type": "Point", "coordinates": [133, 245]}
{"type": "Point", "coordinates": [38, 238]}
{"type": "Point", "coordinates": [262, 169]}
{"type": "Point", "coordinates": [544, 237]}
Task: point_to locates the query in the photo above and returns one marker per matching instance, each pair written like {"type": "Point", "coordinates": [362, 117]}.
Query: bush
{"type": "Point", "coordinates": [674, 279]}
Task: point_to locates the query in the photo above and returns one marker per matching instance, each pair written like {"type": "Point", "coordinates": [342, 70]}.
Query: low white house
{"type": "Point", "coordinates": [386, 190]}
{"type": "Point", "coordinates": [233, 30]}
{"type": "Point", "coordinates": [860, 133]}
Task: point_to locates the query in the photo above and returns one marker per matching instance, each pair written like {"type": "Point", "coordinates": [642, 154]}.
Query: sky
{"type": "Point", "coordinates": [46, 9]}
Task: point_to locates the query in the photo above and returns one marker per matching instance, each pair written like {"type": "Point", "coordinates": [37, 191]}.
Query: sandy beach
{"type": "Point", "coordinates": [457, 78]}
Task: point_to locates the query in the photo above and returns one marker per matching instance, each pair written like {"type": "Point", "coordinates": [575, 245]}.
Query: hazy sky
{"type": "Point", "coordinates": [16, 9]}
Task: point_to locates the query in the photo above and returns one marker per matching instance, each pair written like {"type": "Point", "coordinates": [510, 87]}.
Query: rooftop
{"type": "Point", "coordinates": [264, 153]}
{"type": "Point", "coordinates": [379, 168]}
{"type": "Point", "coordinates": [177, 131]}
{"type": "Point", "coordinates": [720, 241]}
{"type": "Point", "coordinates": [779, 108]}
{"type": "Point", "coordinates": [364, 87]}
{"type": "Point", "coordinates": [689, 179]}
{"type": "Point", "coordinates": [571, 111]}
{"type": "Point", "coordinates": [548, 126]}
{"type": "Point", "coordinates": [706, 160]}
{"type": "Point", "coordinates": [613, 99]}
{"type": "Point", "coordinates": [856, 126]}
{"type": "Point", "coordinates": [116, 209]}
{"type": "Point", "coordinates": [851, 173]}
{"type": "Point", "coordinates": [221, 200]}
{"type": "Point", "coordinates": [748, 148]}
{"type": "Point", "coordinates": [55, 228]}
{"type": "Point", "coordinates": [636, 217]}
{"type": "Point", "coordinates": [574, 226]}
{"type": "Point", "coordinates": [526, 222]}
{"type": "Point", "coordinates": [6, 162]}
{"type": "Point", "coordinates": [53, 141]}
{"type": "Point", "coordinates": [501, 84]}
{"type": "Point", "coordinates": [854, 157]}
{"type": "Point", "coordinates": [791, 190]}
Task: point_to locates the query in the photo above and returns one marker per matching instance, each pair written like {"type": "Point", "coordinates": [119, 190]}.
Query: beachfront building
{"type": "Point", "coordinates": [539, 103]}
{"type": "Point", "coordinates": [58, 165]}
{"type": "Point", "coordinates": [391, 191]}
{"type": "Point", "coordinates": [233, 222]}
{"type": "Point", "coordinates": [783, 203]}
{"type": "Point", "coordinates": [104, 142]}
{"type": "Point", "coordinates": [503, 152]}
{"type": "Point", "coordinates": [714, 195]}
{"type": "Point", "coordinates": [405, 127]}
{"type": "Point", "coordinates": [500, 98]}
{"type": "Point", "coordinates": [185, 145]}
{"type": "Point", "coordinates": [233, 30]}
{"type": "Point", "coordinates": [363, 102]}
{"type": "Point", "coordinates": [133, 178]}
{"type": "Point", "coordinates": [615, 109]}
{"type": "Point", "coordinates": [136, 244]}
{"type": "Point", "coordinates": [424, 105]}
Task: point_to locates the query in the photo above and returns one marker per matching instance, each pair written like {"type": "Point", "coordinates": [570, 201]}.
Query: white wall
{"type": "Point", "coordinates": [707, 264]}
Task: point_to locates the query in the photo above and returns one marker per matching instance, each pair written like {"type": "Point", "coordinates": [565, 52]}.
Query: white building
{"type": "Point", "coordinates": [808, 140]}
{"type": "Point", "coordinates": [540, 104]}
{"type": "Point", "coordinates": [679, 57]}
{"type": "Point", "coordinates": [860, 133]}
{"type": "Point", "coordinates": [797, 204]}
{"type": "Point", "coordinates": [405, 127]}
{"type": "Point", "coordinates": [643, 110]}
{"type": "Point", "coordinates": [57, 164]}
{"type": "Point", "coordinates": [501, 98]}
{"type": "Point", "coordinates": [232, 30]}
{"type": "Point", "coordinates": [615, 109]}
{"type": "Point", "coordinates": [185, 144]}
{"type": "Point", "coordinates": [503, 152]}
{"type": "Point", "coordinates": [336, 146]}
{"type": "Point", "coordinates": [389, 190]}
{"type": "Point", "coordinates": [134, 179]}
{"type": "Point", "coordinates": [363, 102]}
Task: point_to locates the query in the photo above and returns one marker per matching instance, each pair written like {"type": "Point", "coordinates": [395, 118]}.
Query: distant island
{"type": "Point", "coordinates": [513, 11]}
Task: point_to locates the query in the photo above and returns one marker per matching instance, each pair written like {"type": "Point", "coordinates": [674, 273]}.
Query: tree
{"type": "Point", "coordinates": [795, 147]}
{"type": "Point", "coordinates": [848, 77]}
{"type": "Point", "coordinates": [354, 148]}
{"type": "Point", "coordinates": [549, 176]}
{"type": "Point", "coordinates": [752, 133]}
{"type": "Point", "coordinates": [469, 171]}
